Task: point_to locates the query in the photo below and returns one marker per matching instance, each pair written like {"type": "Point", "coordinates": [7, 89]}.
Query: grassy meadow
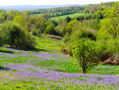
{"type": "Point", "coordinates": [72, 16]}
{"type": "Point", "coordinates": [46, 68]}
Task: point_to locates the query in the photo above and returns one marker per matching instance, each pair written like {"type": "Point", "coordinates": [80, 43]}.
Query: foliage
{"type": "Point", "coordinates": [73, 26]}
{"type": "Point", "coordinates": [77, 30]}
{"type": "Point", "coordinates": [15, 36]}
{"type": "Point", "coordinates": [2, 18]}
{"type": "Point", "coordinates": [1, 38]}
{"type": "Point", "coordinates": [108, 48]}
{"type": "Point", "coordinates": [92, 24]}
{"type": "Point", "coordinates": [21, 20]}
{"type": "Point", "coordinates": [84, 50]}
{"type": "Point", "coordinates": [50, 28]}
{"type": "Point", "coordinates": [46, 15]}
{"type": "Point", "coordinates": [110, 25]}
{"type": "Point", "coordinates": [36, 23]}
{"type": "Point", "coordinates": [68, 19]}
{"type": "Point", "coordinates": [10, 15]}
{"type": "Point", "coordinates": [61, 28]}
{"type": "Point", "coordinates": [27, 13]}
{"type": "Point", "coordinates": [109, 28]}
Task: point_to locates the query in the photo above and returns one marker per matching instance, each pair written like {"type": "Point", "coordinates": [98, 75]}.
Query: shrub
{"type": "Point", "coordinates": [1, 38]}
{"type": "Point", "coordinates": [61, 28]}
{"type": "Point", "coordinates": [108, 48]}
{"type": "Point", "coordinates": [15, 36]}
{"type": "Point", "coordinates": [25, 42]}
{"type": "Point", "coordinates": [50, 28]}
{"type": "Point", "coordinates": [85, 51]}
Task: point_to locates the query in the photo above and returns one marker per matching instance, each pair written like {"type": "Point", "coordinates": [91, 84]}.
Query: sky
{"type": "Point", "coordinates": [50, 2]}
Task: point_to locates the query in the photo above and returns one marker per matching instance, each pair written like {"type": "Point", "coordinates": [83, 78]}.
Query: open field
{"type": "Point", "coordinates": [36, 14]}
{"type": "Point", "coordinates": [71, 16]}
{"type": "Point", "coordinates": [46, 68]}
{"type": "Point", "coordinates": [64, 16]}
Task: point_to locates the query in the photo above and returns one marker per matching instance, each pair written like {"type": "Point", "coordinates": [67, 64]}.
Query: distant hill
{"type": "Point", "coordinates": [33, 7]}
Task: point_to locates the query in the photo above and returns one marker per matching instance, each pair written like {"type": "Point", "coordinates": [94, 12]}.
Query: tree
{"type": "Point", "coordinates": [84, 50]}
{"type": "Point", "coordinates": [10, 15]}
{"type": "Point", "coordinates": [36, 23]}
{"type": "Point", "coordinates": [61, 28]}
{"type": "Point", "coordinates": [72, 26]}
{"type": "Point", "coordinates": [1, 38]}
{"type": "Point", "coordinates": [46, 15]}
{"type": "Point", "coordinates": [50, 28]}
{"type": "Point", "coordinates": [11, 31]}
{"type": "Point", "coordinates": [2, 18]}
{"type": "Point", "coordinates": [14, 36]}
{"type": "Point", "coordinates": [68, 19]}
{"type": "Point", "coordinates": [110, 25]}
{"type": "Point", "coordinates": [17, 13]}
{"type": "Point", "coordinates": [109, 28]}
{"type": "Point", "coordinates": [26, 13]}
{"type": "Point", "coordinates": [20, 20]}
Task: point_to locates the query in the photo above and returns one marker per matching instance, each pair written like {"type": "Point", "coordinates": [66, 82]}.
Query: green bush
{"type": "Point", "coordinates": [50, 28]}
{"type": "Point", "coordinates": [61, 28]}
{"type": "Point", "coordinates": [1, 38]}
{"type": "Point", "coordinates": [15, 36]}
{"type": "Point", "coordinates": [108, 48]}
{"type": "Point", "coordinates": [85, 51]}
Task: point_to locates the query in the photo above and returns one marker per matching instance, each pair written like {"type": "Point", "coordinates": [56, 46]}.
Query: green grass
{"type": "Point", "coordinates": [49, 44]}
{"type": "Point", "coordinates": [71, 16]}
{"type": "Point", "coordinates": [61, 64]}
{"type": "Point", "coordinates": [36, 14]}
{"type": "Point", "coordinates": [58, 63]}
{"type": "Point", "coordinates": [106, 69]}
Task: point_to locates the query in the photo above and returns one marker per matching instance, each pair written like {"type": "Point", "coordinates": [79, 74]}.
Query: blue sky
{"type": "Point", "coordinates": [50, 2]}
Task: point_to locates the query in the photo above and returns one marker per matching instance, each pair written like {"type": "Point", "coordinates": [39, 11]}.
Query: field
{"type": "Point", "coordinates": [64, 16]}
{"type": "Point", "coordinates": [46, 68]}
{"type": "Point", "coordinates": [36, 14]}
{"type": "Point", "coordinates": [71, 16]}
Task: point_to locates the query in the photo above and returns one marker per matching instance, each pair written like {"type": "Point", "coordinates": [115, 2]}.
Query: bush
{"type": "Point", "coordinates": [85, 51]}
{"type": "Point", "coordinates": [1, 38]}
{"type": "Point", "coordinates": [61, 28]}
{"type": "Point", "coordinates": [15, 36]}
{"type": "Point", "coordinates": [108, 48]}
{"type": "Point", "coordinates": [50, 28]}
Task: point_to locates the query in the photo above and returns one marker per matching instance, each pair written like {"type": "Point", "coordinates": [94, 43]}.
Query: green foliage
{"type": "Point", "coordinates": [61, 28]}
{"type": "Point", "coordinates": [85, 51]}
{"type": "Point", "coordinates": [46, 15]}
{"type": "Point", "coordinates": [113, 11]}
{"type": "Point", "coordinates": [68, 19]}
{"type": "Point", "coordinates": [50, 28]}
{"type": "Point", "coordinates": [15, 36]}
{"type": "Point", "coordinates": [73, 26]}
{"type": "Point", "coordinates": [1, 38]}
{"type": "Point", "coordinates": [21, 20]}
{"type": "Point", "coordinates": [109, 28]}
{"type": "Point", "coordinates": [108, 48]}
{"type": "Point", "coordinates": [26, 13]}
{"type": "Point", "coordinates": [77, 30]}
{"type": "Point", "coordinates": [10, 15]}
{"type": "Point", "coordinates": [92, 24]}
{"type": "Point", "coordinates": [110, 25]}
{"type": "Point", "coordinates": [2, 18]}
{"type": "Point", "coordinates": [99, 15]}
{"type": "Point", "coordinates": [36, 23]}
